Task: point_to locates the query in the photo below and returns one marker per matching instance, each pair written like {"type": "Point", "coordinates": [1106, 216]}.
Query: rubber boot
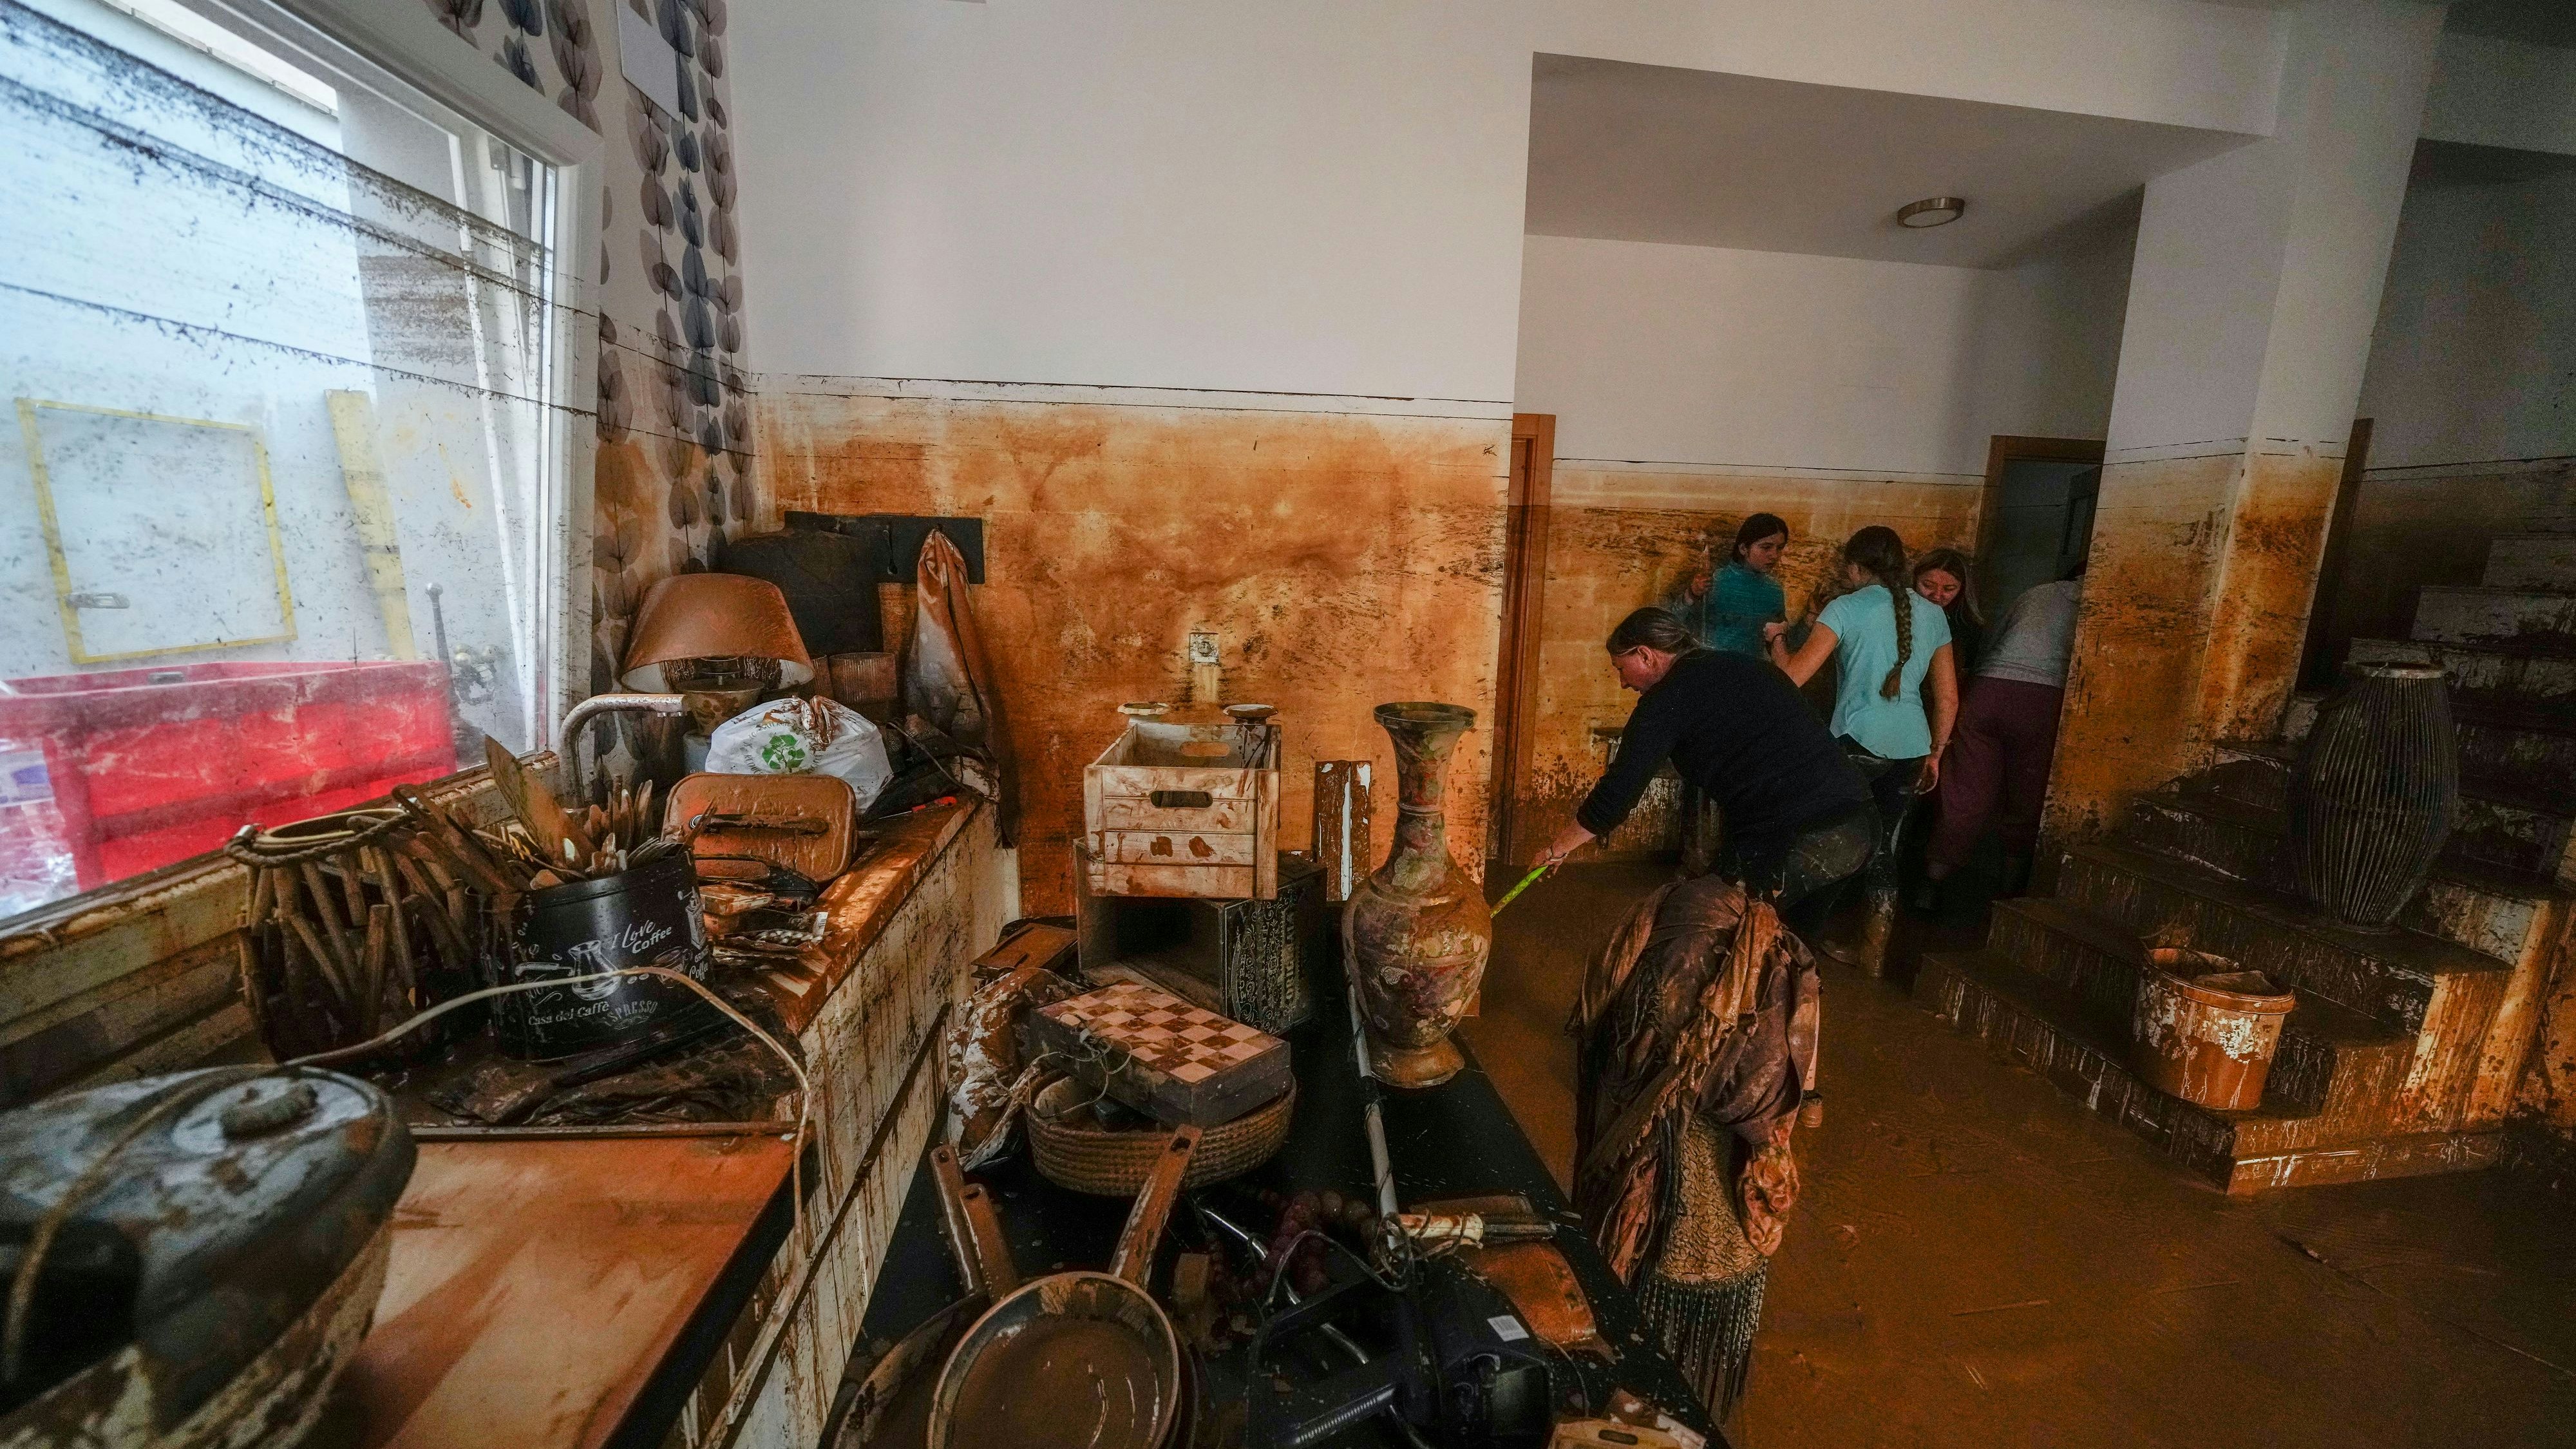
{"type": "Point", "coordinates": [1859, 933]}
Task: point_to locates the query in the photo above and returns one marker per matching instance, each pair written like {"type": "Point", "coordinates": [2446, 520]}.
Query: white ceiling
{"type": "Point", "coordinates": [1651, 153]}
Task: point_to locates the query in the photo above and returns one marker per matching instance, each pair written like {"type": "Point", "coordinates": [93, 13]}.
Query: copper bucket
{"type": "Point", "coordinates": [2206, 1030]}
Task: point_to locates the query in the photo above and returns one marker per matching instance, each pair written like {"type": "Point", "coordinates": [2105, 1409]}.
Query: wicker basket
{"type": "Point", "coordinates": [1075, 1153]}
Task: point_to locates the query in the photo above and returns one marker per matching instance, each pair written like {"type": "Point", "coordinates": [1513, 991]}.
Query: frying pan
{"type": "Point", "coordinates": [1079, 1358]}
{"type": "Point", "coordinates": [892, 1409]}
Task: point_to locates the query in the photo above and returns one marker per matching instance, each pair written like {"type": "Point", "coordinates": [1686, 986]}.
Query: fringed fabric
{"type": "Point", "coordinates": [1707, 1330]}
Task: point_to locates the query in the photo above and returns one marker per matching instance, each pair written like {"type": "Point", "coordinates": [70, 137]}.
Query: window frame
{"type": "Point", "coordinates": [189, 905]}
{"type": "Point", "coordinates": [400, 40]}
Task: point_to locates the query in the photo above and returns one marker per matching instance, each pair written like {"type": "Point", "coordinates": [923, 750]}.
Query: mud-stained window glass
{"type": "Point", "coordinates": [281, 470]}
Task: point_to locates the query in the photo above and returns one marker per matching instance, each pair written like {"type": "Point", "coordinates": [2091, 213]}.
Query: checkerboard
{"type": "Point", "coordinates": [1162, 1055]}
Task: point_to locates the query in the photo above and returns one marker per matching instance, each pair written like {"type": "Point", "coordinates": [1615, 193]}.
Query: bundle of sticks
{"type": "Point", "coordinates": [351, 931]}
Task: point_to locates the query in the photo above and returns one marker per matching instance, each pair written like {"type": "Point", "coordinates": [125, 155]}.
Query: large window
{"type": "Point", "coordinates": [281, 501]}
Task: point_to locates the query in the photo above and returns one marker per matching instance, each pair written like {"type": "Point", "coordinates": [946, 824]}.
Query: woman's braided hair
{"type": "Point", "coordinates": [1878, 552]}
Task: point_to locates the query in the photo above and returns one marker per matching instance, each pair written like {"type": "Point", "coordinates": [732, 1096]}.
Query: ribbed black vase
{"type": "Point", "coordinates": [2376, 792]}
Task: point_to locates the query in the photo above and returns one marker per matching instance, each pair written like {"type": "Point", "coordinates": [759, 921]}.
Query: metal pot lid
{"type": "Point", "coordinates": [218, 1206]}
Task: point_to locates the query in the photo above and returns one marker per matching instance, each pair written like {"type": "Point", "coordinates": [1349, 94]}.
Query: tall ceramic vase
{"type": "Point", "coordinates": [1416, 932]}
{"type": "Point", "coordinates": [2375, 794]}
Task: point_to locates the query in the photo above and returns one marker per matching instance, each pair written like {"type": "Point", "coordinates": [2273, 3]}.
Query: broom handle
{"type": "Point", "coordinates": [1513, 894]}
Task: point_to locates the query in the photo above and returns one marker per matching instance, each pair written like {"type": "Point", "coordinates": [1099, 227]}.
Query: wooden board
{"type": "Point", "coordinates": [1143, 847]}
{"type": "Point", "coordinates": [1161, 1055]}
{"type": "Point", "coordinates": [1341, 843]}
{"type": "Point", "coordinates": [534, 1285]}
{"type": "Point", "coordinates": [1049, 948]}
{"type": "Point", "coordinates": [1216, 882]}
{"type": "Point", "coordinates": [1122, 812]}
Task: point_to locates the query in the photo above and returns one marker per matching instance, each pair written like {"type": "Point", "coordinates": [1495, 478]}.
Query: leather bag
{"type": "Point", "coordinates": [807, 823]}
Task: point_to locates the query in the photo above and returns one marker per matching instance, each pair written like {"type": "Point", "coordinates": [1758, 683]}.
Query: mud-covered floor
{"type": "Point", "coordinates": [1977, 1261]}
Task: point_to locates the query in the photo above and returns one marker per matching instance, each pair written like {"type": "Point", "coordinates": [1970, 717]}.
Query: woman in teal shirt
{"type": "Point", "coordinates": [1726, 610]}
{"type": "Point", "coordinates": [1896, 694]}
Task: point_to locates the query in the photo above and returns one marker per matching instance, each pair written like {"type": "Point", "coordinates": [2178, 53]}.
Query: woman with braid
{"type": "Point", "coordinates": [1896, 696]}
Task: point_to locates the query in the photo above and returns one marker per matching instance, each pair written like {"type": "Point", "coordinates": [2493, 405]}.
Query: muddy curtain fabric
{"type": "Point", "coordinates": [1696, 1025]}
{"type": "Point", "coordinates": [948, 677]}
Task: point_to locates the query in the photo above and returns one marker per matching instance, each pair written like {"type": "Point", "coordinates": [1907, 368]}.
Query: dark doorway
{"type": "Point", "coordinates": [2037, 520]}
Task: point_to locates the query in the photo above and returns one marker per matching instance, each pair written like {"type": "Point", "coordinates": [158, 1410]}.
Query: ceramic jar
{"type": "Point", "coordinates": [1416, 932]}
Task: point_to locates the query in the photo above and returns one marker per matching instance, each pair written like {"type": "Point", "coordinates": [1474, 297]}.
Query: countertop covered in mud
{"type": "Point", "coordinates": [550, 1292]}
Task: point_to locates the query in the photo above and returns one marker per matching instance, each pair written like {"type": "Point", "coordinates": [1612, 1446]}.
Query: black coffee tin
{"type": "Point", "coordinates": [647, 916]}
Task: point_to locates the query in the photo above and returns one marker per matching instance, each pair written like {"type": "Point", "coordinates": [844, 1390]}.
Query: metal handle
{"type": "Point", "coordinates": [974, 1231]}
{"type": "Point", "coordinates": [568, 734]}
{"type": "Point", "coordinates": [1144, 1230]}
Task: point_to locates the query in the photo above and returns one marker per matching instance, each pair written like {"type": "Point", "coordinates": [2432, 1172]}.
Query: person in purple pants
{"type": "Point", "coordinates": [1997, 772]}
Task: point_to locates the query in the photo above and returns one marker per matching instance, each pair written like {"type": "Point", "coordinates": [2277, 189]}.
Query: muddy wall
{"type": "Point", "coordinates": [1623, 537]}
{"type": "Point", "coordinates": [1344, 557]}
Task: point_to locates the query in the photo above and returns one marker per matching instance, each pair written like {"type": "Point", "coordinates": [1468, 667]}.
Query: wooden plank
{"type": "Point", "coordinates": [1049, 948]}
{"type": "Point", "coordinates": [1213, 882]}
{"type": "Point", "coordinates": [121, 933]}
{"type": "Point", "coordinates": [1127, 812]}
{"type": "Point", "coordinates": [94, 939]}
{"type": "Point", "coordinates": [353, 426]}
{"type": "Point", "coordinates": [1265, 855]}
{"type": "Point", "coordinates": [1524, 612]}
{"type": "Point", "coordinates": [501, 1247]}
{"type": "Point", "coordinates": [86, 1034]}
{"type": "Point", "coordinates": [1341, 842]}
{"type": "Point", "coordinates": [187, 1044]}
{"type": "Point", "coordinates": [1133, 780]}
{"type": "Point", "coordinates": [1139, 847]}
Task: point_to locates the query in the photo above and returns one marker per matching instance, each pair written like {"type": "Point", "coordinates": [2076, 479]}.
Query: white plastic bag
{"type": "Point", "coordinates": [804, 737]}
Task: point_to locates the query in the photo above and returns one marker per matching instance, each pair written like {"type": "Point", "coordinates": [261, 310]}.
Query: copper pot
{"type": "Point", "coordinates": [1416, 933]}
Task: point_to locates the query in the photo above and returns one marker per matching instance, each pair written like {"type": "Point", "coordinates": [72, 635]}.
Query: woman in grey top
{"type": "Point", "coordinates": [1997, 771]}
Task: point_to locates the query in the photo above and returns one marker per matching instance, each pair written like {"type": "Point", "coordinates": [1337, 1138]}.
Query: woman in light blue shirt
{"type": "Point", "coordinates": [1896, 694]}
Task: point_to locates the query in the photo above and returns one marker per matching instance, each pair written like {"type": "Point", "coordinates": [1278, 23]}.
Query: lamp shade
{"type": "Point", "coordinates": [711, 616]}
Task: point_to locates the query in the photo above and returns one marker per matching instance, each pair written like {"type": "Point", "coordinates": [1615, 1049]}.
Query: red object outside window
{"type": "Point", "coordinates": [151, 766]}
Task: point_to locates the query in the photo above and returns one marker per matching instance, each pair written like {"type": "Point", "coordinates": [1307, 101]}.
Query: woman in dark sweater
{"type": "Point", "coordinates": [1697, 1022]}
{"type": "Point", "coordinates": [1798, 817]}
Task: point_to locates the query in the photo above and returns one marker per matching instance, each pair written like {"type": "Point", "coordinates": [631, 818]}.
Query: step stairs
{"type": "Point", "coordinates": [2282, 1143]}
{"type": "Point", "coordinates": [2400, 1055]}
{"type": "Point", "coordinates": [2502, 826]}
{"type": "Point", "coordinates": [2531, 561]}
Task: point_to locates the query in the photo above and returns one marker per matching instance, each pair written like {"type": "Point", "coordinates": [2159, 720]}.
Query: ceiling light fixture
{"type": "Point", "coordinates": [1930, 211]}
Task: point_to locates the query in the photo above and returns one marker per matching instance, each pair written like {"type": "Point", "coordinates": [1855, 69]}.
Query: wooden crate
{"type": "Point", "coordinates": [1183, 809]}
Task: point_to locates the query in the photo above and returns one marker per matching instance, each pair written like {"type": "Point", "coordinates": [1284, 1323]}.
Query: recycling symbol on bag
{"type": "Point", "coordinates": [784, 754]}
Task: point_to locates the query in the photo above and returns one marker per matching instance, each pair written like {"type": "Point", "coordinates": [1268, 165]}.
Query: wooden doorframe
{"type": "Point", "coordinates": [1532, 474]}
{"type": "Point", "coordinates": [2003, 448]}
